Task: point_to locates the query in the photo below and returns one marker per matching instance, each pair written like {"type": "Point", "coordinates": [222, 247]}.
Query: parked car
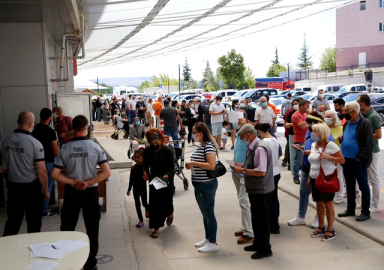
{"type": "Point", "coordinates": [342, 95]}
{"type": "Point", "coordinates": [226, 93]}
{"type": "Point", "coordinates": [377, 103]}
{"type": "Point", "coordinates": [377, 89]}
{"type": "Point", "coordinates": [239, 94]}
{"type": "Point", "coordinates": [351, 97]}
{"type": "Point", "coordinates": [330, 88]}
{"type": "Point", "coordinates": [278, 102]}
{"type": "Point", "coordinates": [189, 97]}
{"type": "Point", "coordinates": [353, 88]}
{"type": "Point", "coordinates": [257, 93]}
{"type": "Point", "coordinates": [305, 89]}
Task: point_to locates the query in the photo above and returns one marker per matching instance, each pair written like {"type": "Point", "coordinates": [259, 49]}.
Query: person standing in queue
{"type": "Point", "coordinates": [159, 163]}
{"type": "Point", "coordinates": [259, 184]}
{"type": "Point", "coordinates": [47, 137]}
{"type": "Point", "coordinates": [63, 126]}
{"type": "Point", "coordinates": [80, 157]}
{"type": "Point", "coordinates": [24, 165]}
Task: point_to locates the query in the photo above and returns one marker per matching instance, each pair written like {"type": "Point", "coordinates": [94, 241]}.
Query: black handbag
{"type": "Point", "coordinates": [185, 121]}
{"type": "Point", "coordinates": [219, 170]}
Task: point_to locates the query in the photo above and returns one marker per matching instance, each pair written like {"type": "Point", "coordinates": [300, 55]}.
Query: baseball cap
{"type": "Point", "coordinates": [247, 128]}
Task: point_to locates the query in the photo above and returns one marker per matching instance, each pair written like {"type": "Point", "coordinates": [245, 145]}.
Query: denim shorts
{"type": "Point", "coordinates": [216, 129]}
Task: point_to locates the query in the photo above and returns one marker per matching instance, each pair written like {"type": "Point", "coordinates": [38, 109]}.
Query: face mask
{"type": "Point", "coordinates": [296, 107]}
{"type": "Point", "coordinates": [264, 104]}
{"type": "Point", "coordinates": [328, 121]}
{"type": "Point", "coordinates": [250, 106]}
{"type": "Point", "coordinates": [314, 137]}
{"type": "Point", "coordinates": [347, 116]}
{"type": "Point", "coordinates": [242, 105]}
{"type": "Point", "coordinates": [321, 95]}
{"type": "Point", "coordinates": [321, 113]}
{"type": "Point", "coordinates": [246, 143]}
{"type": "Point", "coordinates": [310, 128]}
{"type": "Point", "coordinates": [218, 102]}
{"type": "Point", "coordinates": [137, 122]}
{"type": "Point", "coordinates": [155, 147]}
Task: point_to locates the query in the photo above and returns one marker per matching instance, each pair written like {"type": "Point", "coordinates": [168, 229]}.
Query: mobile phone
{"type": "Point", "coordinates": [298, 148]}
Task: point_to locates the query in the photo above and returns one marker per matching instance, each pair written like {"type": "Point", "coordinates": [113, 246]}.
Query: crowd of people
{"type": "Point", "coordinates": [321, 143]}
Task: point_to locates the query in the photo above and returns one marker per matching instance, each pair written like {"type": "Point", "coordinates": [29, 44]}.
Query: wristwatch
{"type": "Point", "coordinates": [244, 171]}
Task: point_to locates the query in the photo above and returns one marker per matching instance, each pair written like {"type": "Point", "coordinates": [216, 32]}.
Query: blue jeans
{"type": "Point", "coordinates": [304, 195]}
{"type": "Point", "coordinates": [205, 193]}
{"type": "Point", "coordinates": [356, 170]}
{"type": "Point", "coordinates": [98, 113]}
{"type": "Point", "coordinates": [298, 159]}
{"type": "Point", "coordinates": [174, 133]}
{"type": "Point", "coordinates": [129, 117]}
{"type": "Point", "coordinates": [133, 115]}
{"type": "Point", "coordinates": [49, 166]}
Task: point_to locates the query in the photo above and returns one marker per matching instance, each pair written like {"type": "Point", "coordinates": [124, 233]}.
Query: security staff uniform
{"type": "Point", "coordinates": [80, 157]}
{"type": "Point", "coordinates": [20, 151]}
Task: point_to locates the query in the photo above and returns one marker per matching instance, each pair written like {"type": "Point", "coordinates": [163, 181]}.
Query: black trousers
{"type": "Point", "coordinates": [260, 204]}
{"type": "Point", "coordinates": [191, 122]}
{"type": "Point", "coordinates": [88, 201]}
{"type": "Point", "coordinates": [274, 211]}
{"type": "Point", "coordinates": [136, 196]}
{"type": "Point", "coordinates": [286, 152]}
{"type": "Point", "coordinates": [23, 199]}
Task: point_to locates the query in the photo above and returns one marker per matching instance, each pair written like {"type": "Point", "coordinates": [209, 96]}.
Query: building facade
{"type": "Point", "coordinates": [360, 35]}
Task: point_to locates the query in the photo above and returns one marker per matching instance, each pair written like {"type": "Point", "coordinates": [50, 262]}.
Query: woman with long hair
{"type": "Point", "coordinates": [203, 160]}
{"type": "Point", "coordinates": [149, 113]}
{"type": "Point", "coordinates": [191, 113]}
{"type": "Point", "coordinates": [159, 166]}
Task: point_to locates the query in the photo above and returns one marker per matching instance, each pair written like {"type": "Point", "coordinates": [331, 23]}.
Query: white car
{"type": "Point", "coordinates": [357, 88]}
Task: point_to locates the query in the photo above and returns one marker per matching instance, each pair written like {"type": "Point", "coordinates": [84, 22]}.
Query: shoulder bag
{"type": "Point", "coordinates": [327, 183]}
{"type": "Point", "coordinates": [219, 170]}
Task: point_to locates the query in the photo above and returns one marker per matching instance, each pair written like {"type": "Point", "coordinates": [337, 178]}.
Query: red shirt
{"type": "Point", "coordinates": [299, 134]}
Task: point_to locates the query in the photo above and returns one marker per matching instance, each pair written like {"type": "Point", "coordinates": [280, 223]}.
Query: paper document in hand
{"type": "Point", "coordinates": [46, 250]}
{"type": "Point", "coordinates": [233, 117]}
{"type": "Point", "coordinates": [158, 183]}
{"type": "Point", "coordinates": [42, 265]}
{"type": "Point", "coordinates": [230, 162]}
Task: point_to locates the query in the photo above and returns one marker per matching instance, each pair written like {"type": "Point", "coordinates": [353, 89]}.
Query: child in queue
{"type": "Point", "coordinates": [139, 187]}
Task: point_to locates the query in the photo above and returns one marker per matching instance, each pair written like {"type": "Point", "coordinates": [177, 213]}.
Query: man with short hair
{"type": "Point", "coordinates": [80, 158]}
{"type": "Point", "coordinates": [47, 137]}
{"type": "Point", "coordinates": [287, 104]}
{"type": "Point", "coordinates": [128, 108]}
{"type": "Point", "coordinates": [270, 104]}
{"type": "Point", "coordinates": [98, 109]}
{"type": "Point", "coordinates": [265, 114]}
{"type": "Point", "coordinates": [217, 112]}
{"type": "Point", "coordinates": [339, 104]}
{"type": "Point", "coordinates": [24, 164]}
{"type": "Point", "coordinates": [200, 110]}
{"type": "Point", "coordinates": [250, 111]}
{"type": "Point", "coordinates": [157, 109]}
{"type": "Point", "coordinates": [171, 117]}
{"type": "Point", "coordinates": [299, 130]}
{"type": "Point", "coordinates": [373, 173]}
{"type": "Point", "coordinates": [123, 111]}
{"type": "Point", "coordinates": [322, 109]}
{"type": "Point", "coordinates": [63, 126]}
{"type": "Point", "coordinates": [132, 104]}
{"type": "Point", "coordinates": [356, 146]}
{"type": "Point", "coordinates": [207, 116]}
{"type": "Point", "coordinates": [141, 108]}
{"type": "Point", "coordinates": [319, 100]}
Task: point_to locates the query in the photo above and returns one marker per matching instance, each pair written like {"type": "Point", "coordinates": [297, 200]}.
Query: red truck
{"type": "Point", "coordinates": [274, 82]}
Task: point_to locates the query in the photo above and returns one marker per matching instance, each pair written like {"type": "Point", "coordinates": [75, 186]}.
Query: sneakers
{"type": "Point", "coordinates": [225, 150]}
{"type": "Point", "coordinates": [209, 247]}
{"type": "Point", "coordinates": [245, 239]}
{"type": "Point", "coordinates": [49, 214]}
{"type": "Point", "coordinates": [296, 221]}
{"type": "Point", "coordinates": [338, 201]}
{"type": "Point", "coordinates": [374, 209]}
{"type": "Point", "coordinates": [202, 243]}
{"type": "Point", "coordinates": [140, 225]}
{"type": "Point", "coordinates": [315, 222]}
{"type": "Point", "coordinates": [296, 181]}
{"type": "Point", "coordinates": [190, 145]}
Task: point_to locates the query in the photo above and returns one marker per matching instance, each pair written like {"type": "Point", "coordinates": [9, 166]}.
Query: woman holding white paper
{"type": "Point", "coordinates": [159, 163]}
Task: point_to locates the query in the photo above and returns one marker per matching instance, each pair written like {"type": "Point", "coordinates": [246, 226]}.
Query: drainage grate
{"type": "Point", "coordinates": [106, 153]}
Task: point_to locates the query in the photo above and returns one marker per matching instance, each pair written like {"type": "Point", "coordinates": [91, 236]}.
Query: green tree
{"type": "Point", "coordinates": [208, 78]}
{"type": "Point", "coordinates": [106, 91]}
{"type": "Point", "coordinates": [276, 60]}
{"type": "Point", "coordinates": [304, 58]}
{"type": "Point", "coordinates": [186, 71]}
{"type": "Point", "coordinates": [328, 59]}
{"type": "Point", "coordinates": [274, 70]}
{"type": "Point", "coordinates": [249, 82]}
{"type": "Point", "coordinates": [145, 84]}
{"type": "Point", "coordinates": [232, 68]}
{"type": "Point", "coordinates": [192, 84]}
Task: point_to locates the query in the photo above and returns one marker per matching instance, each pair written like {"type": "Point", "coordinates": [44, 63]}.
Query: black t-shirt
{"type": "Point", "coordinates": [140, 105]}
{"type": "Point", "coordinates": [45, 134]}
{"type": "Point", "coordinates": [289, 120]}
{"type": "Point", "coordinates": [341, 116]}
{"type": "Point", "coordinates": [98, 104]}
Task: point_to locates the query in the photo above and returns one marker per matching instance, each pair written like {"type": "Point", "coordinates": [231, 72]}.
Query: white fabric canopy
{"type": "Point", "coordinates": [82, 84]}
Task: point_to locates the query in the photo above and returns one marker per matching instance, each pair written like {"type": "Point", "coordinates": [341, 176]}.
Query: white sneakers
{"type": "Point", "coordinates": [315, 222]}
{"type": "Point", "coordinates": [374, 209]}
{"type": "Point", "coordinates": [296, 221]}
{"type": "Point", "coordinates": [338, 201]}
{"type": "Point", "coordinates": [205, 246]}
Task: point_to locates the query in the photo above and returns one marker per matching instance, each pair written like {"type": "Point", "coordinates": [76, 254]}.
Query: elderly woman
{"type": "Point", "coordinates": [137, 134]}
{"type": "Point", "coordinates": [328, 154]}
{"type": "Point", "coordinates": [333, 121]}
{"type": "Point", "coordinates": [105, 109]}
{"type": "Point", "coordinates": [159, 165]}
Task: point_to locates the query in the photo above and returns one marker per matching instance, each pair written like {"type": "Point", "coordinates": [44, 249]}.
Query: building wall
{"type": "Point", "coordinates": [358, 31]}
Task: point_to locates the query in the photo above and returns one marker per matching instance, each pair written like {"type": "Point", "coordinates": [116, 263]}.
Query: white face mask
{"type": "Point", "coordinates": [321, 113]}
{"type": "Point", "coordinates": [195, 138]}
{"type": "Point", "coordinates": [321, 95]}
{"type": "Point", "coordinates": [296, 107]}
{"type": "Point", "coordinates": [328, 121]}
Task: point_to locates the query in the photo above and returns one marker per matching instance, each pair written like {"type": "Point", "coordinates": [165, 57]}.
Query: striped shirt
{"type": "Point", "coordinates": [199, 174]}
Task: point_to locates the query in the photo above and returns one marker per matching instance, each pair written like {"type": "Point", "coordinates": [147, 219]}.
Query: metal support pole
{"type": "Point", "coordinates": [98, 89]}
{"type": "Point", "coordinates": [179, 79]}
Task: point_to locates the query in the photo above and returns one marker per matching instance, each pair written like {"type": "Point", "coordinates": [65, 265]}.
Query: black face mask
{"type": "Point", "coordinates": [155, 147]}
{"type": "Point", "coordinates": [347, 116]}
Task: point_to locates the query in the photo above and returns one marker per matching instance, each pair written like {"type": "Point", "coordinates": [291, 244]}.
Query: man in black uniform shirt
{"type": "Point", "coordinates": [24, 164]}
{"type": "Point", "coordinates": [80, 157]}
{"type": "Point", "coordinates": [48, 138]}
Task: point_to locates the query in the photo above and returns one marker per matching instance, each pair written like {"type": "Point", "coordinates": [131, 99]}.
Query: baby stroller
{"type": "Point", "coordinates": [179, 161]}
{"type": "Point", "coordinates": [116, 132]}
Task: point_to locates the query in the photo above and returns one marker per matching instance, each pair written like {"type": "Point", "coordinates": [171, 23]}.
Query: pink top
{"type": "Point", "coordinates": [299, 134]}
{"type": "Point", "coordinates": [260, 158]}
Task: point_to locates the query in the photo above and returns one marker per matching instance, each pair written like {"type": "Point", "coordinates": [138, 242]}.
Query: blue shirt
{"type": "Point", "coordinates": [349, 146]}
{"type": "Point", "coordinates": [308, 144]}
{"type": "Point", "coordinates": [240, 152]}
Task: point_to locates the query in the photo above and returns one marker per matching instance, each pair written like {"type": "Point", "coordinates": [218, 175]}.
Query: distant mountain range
{"type": "Point", "coordinates": [123, 81]}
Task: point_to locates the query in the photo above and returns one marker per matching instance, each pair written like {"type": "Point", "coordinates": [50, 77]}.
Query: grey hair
{"type": "Point", "coordinates": [197, 99]}
{"type": "Point", "coordinates": [326, 106]}
{"type": "Point", "coordinates": [334, 116]}
{"type": "Point", "coordinates": [353, 106]}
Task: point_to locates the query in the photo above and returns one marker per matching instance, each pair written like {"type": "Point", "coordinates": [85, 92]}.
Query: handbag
{"type": "Point", "coordinates": [185, 121]}
{"type": "Point", "coordinates": [327, 183]}
{"type": "Point", "coordinates": [219, 170]}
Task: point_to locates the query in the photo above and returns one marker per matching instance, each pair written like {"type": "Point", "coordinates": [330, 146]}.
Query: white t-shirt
{"type": "Point", "coordinates": [133, 104]}
{"type": "Point", "coordinates": [274, 145]}
{"type": "Point", "coordinates": [224, 133]}
{"type": "Point", "coordinates": [265, 115]}
{"type": "Point", "coordinates": [327, 165]}
{"type": "Point", "coordinates": [150, 108]}
{"type": "Point", "coordinates": [216, 108]}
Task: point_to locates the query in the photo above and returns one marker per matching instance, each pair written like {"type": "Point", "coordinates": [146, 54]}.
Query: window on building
{"type": "Point", "coordinates": [381, 26]}
{"type": "Point", "coordinates": [362, 5]}
{"type": "Point", "coordinates": [381, 3]}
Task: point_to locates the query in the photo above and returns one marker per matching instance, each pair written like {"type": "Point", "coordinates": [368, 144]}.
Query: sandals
{"type": "Point", "coordinates": [317, 233]}
{"type": "Point", "coordinates": [170, 220]}
{"type": "Point", "coordinates": [326, 238]}
{"type": "Point", "coordinates": [154, 234]}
